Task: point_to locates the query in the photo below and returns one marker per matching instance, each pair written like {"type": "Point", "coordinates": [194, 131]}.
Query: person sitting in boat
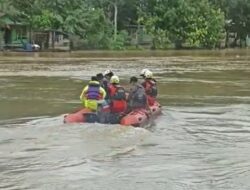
{"type": "Point", "coordinates": [150, 87]}
{"type": "Point", "coordinates": [137, 97]}
{"type": "Point", "coordinates": [118, 103]}
{"type": "Point", "coordinates": [93, 94]}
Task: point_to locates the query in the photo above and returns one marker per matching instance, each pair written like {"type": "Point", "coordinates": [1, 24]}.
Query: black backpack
{"type": "Point", "coordinates": [140, 96]}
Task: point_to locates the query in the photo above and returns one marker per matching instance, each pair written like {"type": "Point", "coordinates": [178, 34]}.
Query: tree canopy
{"type": "Point", "coordinates": [106, 23]}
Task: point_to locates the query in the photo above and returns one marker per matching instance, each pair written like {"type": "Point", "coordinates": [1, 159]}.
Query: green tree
{"type": "Point", "coordinates": [104, 23]}
{"type": "Point", "coordinates": [239, 19]}
{"type": "Point", "coordinates": [7, 8]}
{"type": "Point", "coordinates": [78, 17]}
{"type": "Point", "coordinates": [183, 22]}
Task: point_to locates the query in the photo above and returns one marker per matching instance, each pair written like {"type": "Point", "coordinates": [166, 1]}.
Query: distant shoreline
{"type": "Point", "coordinates": [126, 54]}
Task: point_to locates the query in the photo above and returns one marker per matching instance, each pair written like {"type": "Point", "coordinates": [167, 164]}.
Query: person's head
{"type": "Point", "coordinates": [114, 79]}
{"type": "Point", "coordinates": [94, 78]}
{"type": "Point", "coordinates": [133, 80]}
{"type": "Point", "coordinates": [143, 71]}
{"type": "Point", "coordinates": [148, 75]}
{"type": "Point", "coordinates": [99, 76]}
{"type": "Point", "coordinates": [108, 74]}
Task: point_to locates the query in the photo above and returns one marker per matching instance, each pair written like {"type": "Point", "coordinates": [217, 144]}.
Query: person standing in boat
{"type": "Point", "coordinates": [150, 87]}
{"type": "Point", "coordinates": [93, 94]}
{"type": "Point", "coordinates": [143, 74]}
{"type": "Point", "coordinates": [137, 97]}
{"type": "Point", "coordinates": [118, 103]}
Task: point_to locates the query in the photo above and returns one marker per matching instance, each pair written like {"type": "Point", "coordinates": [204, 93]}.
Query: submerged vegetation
{"type": "Point", "coordinates": [157, 24]}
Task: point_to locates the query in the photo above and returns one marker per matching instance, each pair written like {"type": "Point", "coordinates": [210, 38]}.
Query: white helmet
{"type": "Point", "coordinates": [115, 79]}
{"type": "Point", "coordinates": [148, 74]}
{"type": "Point", "coordinates": [107, 72]}
{"type": "Point", "coordinates": [143, 72]}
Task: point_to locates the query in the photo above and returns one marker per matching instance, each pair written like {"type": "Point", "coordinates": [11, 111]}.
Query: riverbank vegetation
{"type": "Point", "coordinates": [155, 24]}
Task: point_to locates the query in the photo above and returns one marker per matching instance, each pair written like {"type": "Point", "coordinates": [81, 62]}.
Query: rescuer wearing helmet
{"type": "Point", "coordinates": [108, 74]}
{"type": "Point", "coordinates": [118, 103]}
{"type": "Point", "coordinates": [150, 87]}
{"type": "Point", "coordinates": [143, 71]}
{"type": "Point", "coordinates": [105, 82]}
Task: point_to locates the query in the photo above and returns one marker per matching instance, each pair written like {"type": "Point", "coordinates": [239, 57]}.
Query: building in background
{"type": "Point", "coordinates": [14, 34]}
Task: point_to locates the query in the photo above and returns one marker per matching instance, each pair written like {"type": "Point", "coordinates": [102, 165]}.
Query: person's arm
{"type": "Point", "coordinates": [106, 89]}
{"type": "Point", "coordinates": [130, 94]}
{"type": "Point", "coordinates": [148, 107]}
{"type": "Point", "coordinates": [103, 92]}
{"type": "Point", "coordinates": [143, 84]}
{"type": "Point", "coordinates": [82, 96]}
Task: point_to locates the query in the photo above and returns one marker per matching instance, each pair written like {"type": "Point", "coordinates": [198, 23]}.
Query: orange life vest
{"type": "Point", "coordinates": [150, 87]}
{"type": "Point", "coordinates": [118, 98]}
{"type": "Point", "coordinates": [151, 90]}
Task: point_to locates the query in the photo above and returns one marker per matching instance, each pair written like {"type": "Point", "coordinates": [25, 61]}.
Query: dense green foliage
{"type": "Point", "coordinates": [190, 22]}
{"type": "Point", "coordinates": [114, 24]}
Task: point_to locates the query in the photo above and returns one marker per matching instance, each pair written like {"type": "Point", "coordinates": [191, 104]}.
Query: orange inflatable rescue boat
{"type": "Point", "coordinates": [141, 117]}
{"type": "Point", "coordinates": [136, 118]}
{"type": "Point", "coordinates": [78, 116]}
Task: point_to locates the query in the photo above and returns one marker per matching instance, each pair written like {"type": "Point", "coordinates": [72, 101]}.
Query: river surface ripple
{"type": "Point", "coordinates": [200, 142]}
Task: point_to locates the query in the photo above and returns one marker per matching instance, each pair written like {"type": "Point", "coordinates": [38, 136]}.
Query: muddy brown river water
{"type": "Point", "coordinates": [200, 142]}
